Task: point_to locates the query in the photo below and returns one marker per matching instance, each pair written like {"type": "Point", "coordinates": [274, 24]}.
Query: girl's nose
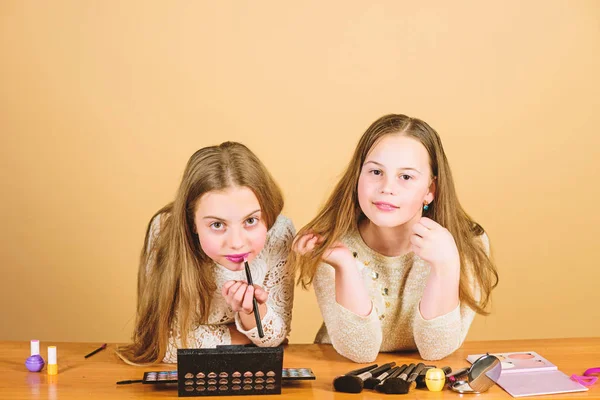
{"type": "Point", "coordinates": [236, 239]}
{"type": "Point", "coordinates": [387, 186]}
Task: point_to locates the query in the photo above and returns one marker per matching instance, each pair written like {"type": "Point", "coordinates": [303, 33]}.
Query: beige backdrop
{"type": "Point", "coordinates": [102, 103]}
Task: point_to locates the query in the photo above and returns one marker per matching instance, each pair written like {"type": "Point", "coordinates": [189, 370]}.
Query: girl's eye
{"type": "Point", "coordinates": [376, 172]}
{"type": "Point", "coordinates": [406, 177]}
{"type": "Point", "coordinates": [217, 225]}
{"type": "Point", "coordinates": [252, 221]}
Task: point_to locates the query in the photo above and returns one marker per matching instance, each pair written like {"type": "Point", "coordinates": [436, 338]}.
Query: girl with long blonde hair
{"type": "Point", "coordinates": [395, 261]}
{"type": "Point", "coordinates": [192, 290]}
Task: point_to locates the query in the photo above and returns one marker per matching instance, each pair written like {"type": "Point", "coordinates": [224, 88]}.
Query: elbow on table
{"type": "Point", "coordinates": [437, 353]}
{"type": "Point", "coordinates": [364, 353]}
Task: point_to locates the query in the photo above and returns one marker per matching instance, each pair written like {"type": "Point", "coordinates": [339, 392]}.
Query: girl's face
{"type": "Point", "coordinates": [230, 226]}
{"type": "Point", "coordinates": [395, 181]}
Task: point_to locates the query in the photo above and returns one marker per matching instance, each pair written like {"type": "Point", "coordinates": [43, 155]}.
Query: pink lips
{"type": "Point", "coordinates": [383, 206]}
{"type": "Point", "coordinates": [237, 258]}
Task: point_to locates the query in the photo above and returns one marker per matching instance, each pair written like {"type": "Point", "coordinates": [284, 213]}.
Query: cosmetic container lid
{"type": "Point", "coordinates": [35, 347]}
{"type": "Point", "coordinates": [51, 354]}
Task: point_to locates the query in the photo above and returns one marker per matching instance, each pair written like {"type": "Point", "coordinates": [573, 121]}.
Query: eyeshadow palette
{"type": "Point", "coordinates": [297, 374]}
{"type": "Point", "coordinates": [229, 370]}
{"type": "Point", "coordinates": [287, 374]}
{"type": "Point", "coordinates": [160, 377]}
{"type": "Point", "coordinates": [530, 374]}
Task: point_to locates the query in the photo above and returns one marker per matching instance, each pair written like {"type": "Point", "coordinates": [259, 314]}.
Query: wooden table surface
{"type": "Point", "coordinates": [96, 377]}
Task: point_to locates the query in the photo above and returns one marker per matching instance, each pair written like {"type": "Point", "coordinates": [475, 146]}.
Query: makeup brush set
{"type": "Point", "coordinates": [387, 378]}
{"type": "Point", "coordinates": [392, 379]}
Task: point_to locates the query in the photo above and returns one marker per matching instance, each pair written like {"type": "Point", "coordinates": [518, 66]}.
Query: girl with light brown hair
{"type": "Point", "coordinates": [395, 261]}
{"type": "Point", "coordinates": [192, 291]}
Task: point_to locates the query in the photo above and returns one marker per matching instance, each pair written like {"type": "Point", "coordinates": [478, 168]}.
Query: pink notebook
{"type": "Point", "coordinates": [529, 374]}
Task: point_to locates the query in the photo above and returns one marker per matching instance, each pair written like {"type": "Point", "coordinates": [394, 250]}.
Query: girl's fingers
{"type": "Point", "coordinates": [300, 246]}
{"type": "Point", "coordinates": [238, 296]}
{"type": "Point", "coordinates": [247, 300]}
{"type": "Point", "coordinates": [417, 240]}
{"type": "Point", "coordinates": [420, 229]}
{"type": "Point", "coordinates": [233, 288]}
{"type": "Point", "coordinates": [226, 287]}
{"type": "Point", "coordinates": [260, 294]}
{"type": "Point", "coordinates": [310, 245]}
{"type": "Point", "coordinates": [429, 223]}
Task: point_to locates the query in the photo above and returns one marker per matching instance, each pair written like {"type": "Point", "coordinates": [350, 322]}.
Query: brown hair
{"type": "Point", "coordinates": [174, 278]}
{"type": "Point", "coordinates": [341, 213]}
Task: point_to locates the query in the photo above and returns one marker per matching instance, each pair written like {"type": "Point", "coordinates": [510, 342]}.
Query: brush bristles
{"type": "Point", "coordinates": [394, 386]}
{"type": "Point", "coordinates": [348, 384]}
{"type": "Point", "coordinates": [371, 383]}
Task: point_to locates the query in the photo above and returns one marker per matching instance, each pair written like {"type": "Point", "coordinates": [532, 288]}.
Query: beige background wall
{"type": "Point", "coordinates": [102, 103]}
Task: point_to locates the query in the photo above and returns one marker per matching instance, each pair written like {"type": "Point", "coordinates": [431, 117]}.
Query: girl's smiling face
{"type": "Point", "coordinates": [230, 226]}
{"type": "Point", "coordinates": [395, 181]}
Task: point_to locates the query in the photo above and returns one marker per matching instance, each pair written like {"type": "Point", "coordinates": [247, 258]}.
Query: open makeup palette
{"type": "Point", "coordinates": [529, 374]}
{"type": "Point", "coordinates": [229, 370]}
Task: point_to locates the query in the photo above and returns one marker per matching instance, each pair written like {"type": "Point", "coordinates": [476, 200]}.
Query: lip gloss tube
{"type": "Point", "coordinates": [52, 365]}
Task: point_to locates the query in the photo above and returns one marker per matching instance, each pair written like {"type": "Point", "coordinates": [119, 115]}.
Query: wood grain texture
{"type": "Point", "coordinates": [96, 377]}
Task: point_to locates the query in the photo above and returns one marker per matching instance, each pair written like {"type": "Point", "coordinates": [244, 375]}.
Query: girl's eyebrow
{"type": "Point", "coordinates": [399, 169]}
{"type": "Point", "coordinates": [223, 220]}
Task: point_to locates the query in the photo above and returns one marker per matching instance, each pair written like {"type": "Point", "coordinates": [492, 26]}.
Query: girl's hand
{"type": "Point", "coordinates": [434, 244]}
{"type": "Point", "coordinates": [238, 295]}
{"type": "Point", "coordinates": [337, 255]}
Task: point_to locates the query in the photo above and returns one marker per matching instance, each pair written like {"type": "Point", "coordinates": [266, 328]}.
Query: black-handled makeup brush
{"type": "Point", "coordinates": [354, 372]}
{"type": "Point", "coordinates": [382, 387]}
{"type": "Point", "coordinates": [375, 380]}
{"type": "Point", "coordinates": [374, 383]}
{"type": "Point", "coordinates": [361, 370]}
{"type": "Point", "coordinates": [416, 372]}
{"type": "Point", "coordinates": [259, 327]}
{"type": "Point", "coordinates": [397, 384]}
{"type": "Point", "coordinates": [354, 383]}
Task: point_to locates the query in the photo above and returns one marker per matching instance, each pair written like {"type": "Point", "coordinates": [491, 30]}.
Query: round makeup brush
{"type": "Point", "coordinates": [355, 383]}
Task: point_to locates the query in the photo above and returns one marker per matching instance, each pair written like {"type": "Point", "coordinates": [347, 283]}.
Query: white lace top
{"type": "Point", "coordinates": [270, 271]}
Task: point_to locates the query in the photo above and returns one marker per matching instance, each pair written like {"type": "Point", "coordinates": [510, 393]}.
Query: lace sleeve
{"type": "Point", "coordinates": [279, 283]}
{"type": "Point", "coordinates": [204, 336]}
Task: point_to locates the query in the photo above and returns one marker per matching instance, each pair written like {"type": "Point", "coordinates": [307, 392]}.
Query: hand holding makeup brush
{"type": "Point", "coordinates": [435, 244]}
{"type": "Point", "coordinates": [337, 255]}
{"type": "Point", "coordinates": [238, 295]}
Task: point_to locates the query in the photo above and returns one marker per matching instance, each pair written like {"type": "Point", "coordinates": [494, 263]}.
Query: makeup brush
{"type": "Point", "coordinates": [381, 387]}
{"type": "Point", "coordinates": [259, 327]}
{"type": "Point", "coordinates": [413, 376]}
{"type": "Point", "coordinates": [353, 373]}
{"type": "Point", "coordinates": [355, 383]}
{"type": "Point", "coordinates": [399, 384]}
{"type": "Point", "coordinates": [370, 383]}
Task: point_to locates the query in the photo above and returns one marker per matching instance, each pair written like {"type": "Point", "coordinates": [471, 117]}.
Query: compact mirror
{"type": "Point", "coordinates": [482, 375]}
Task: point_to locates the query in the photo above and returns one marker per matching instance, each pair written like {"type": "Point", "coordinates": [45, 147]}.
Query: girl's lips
{"type": "Point", "coordinates": [385, 206]}
{"type": "Point", "coordinates": [237, 258]}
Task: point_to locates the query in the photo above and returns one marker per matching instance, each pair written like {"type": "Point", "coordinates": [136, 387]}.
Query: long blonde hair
{"type": "Point", "coordinates": [174, 274]}
{"type": "Point", "coordinates": [341, 213]}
